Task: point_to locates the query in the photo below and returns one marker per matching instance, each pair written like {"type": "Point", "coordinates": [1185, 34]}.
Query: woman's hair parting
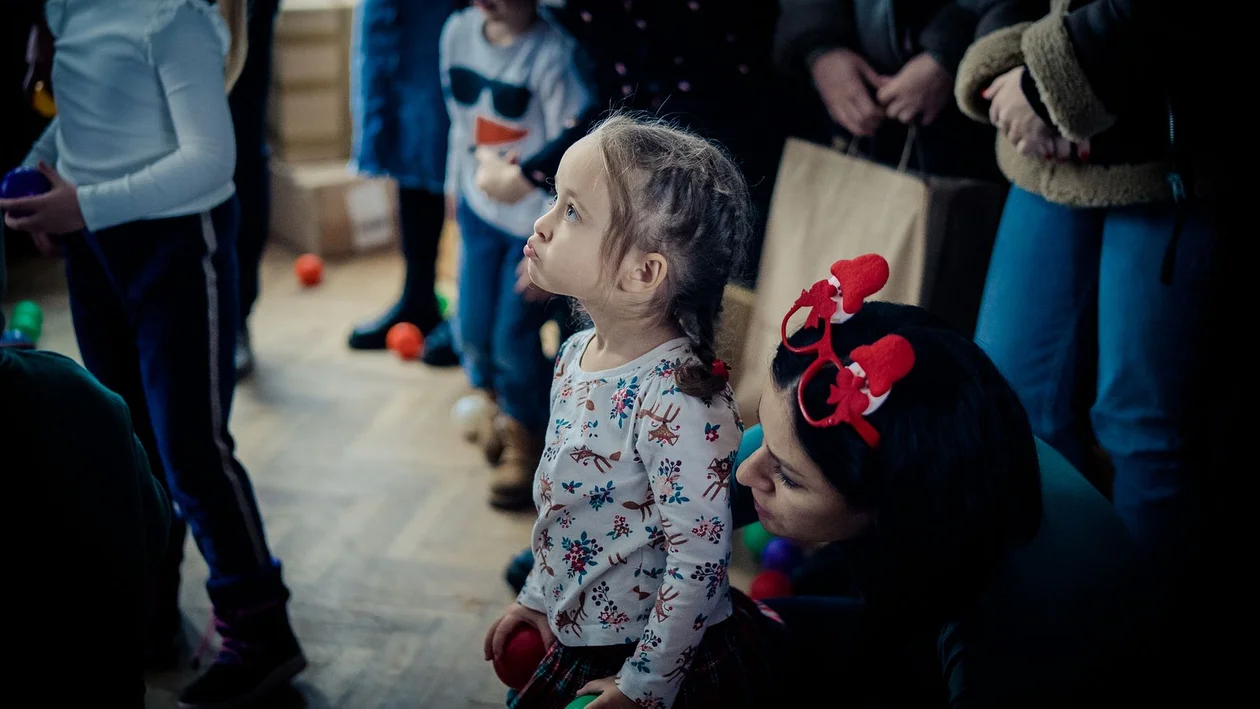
{"type": "Point", "coordinates": [236, 14]}
{"type": "Point", "coordinates": [677, 194]}
{"type": "Point", "coordinates": [955, 474]}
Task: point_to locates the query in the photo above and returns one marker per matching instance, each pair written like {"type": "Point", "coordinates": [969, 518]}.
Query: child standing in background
{"type": "Point", "coordinates": [633, 538]}
{"type": "Point", "coordinates": [511, 87]}
{"type": "Point", "coordinates": [143, 192]}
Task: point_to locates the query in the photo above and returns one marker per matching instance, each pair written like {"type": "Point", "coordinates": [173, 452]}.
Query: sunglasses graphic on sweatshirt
{"type": "Point", "coordinates": [510, 102]}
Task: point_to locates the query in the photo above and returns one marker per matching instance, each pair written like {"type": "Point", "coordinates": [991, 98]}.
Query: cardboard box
{"type": "Point", "coordinates": [737, 311]}
{"type": "Point", "coordinates": [308, 117]}
{"type": "Point", "coordinates": [322, 208]}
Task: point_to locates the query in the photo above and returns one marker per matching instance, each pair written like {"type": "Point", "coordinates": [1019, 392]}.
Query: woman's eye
{"type": "Point", "coordinates": [787, 482]}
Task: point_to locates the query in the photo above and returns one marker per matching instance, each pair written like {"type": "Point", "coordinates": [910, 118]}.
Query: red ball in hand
{"type": "Point", "coordinates": [770, 584]}
{"type": "Point", "coordinates": [521, 656]}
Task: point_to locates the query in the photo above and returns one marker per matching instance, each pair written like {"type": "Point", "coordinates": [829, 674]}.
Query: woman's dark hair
{"type": "Point", "coordinates": [955, 478]}
{"type": "Point", "coordinates": [677, 194]}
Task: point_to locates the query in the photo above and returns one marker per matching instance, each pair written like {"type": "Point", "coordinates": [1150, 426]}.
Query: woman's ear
{"type": "Point", "coordinates": [645, 272]}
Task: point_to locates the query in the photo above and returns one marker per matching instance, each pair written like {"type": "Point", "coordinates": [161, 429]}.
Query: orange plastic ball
{"type": "Point", "coordinates": [309, 269]}
{"type": "Point", "coordinates": [405, 340]}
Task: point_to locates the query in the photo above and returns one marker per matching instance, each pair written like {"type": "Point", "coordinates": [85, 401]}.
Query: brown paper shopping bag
{"type": "Point", "coordinates": [936, 234]}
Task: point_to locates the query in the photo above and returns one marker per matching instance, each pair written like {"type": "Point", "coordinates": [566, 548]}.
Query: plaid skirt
{"type": "Point", "coordinates": [737, 665]}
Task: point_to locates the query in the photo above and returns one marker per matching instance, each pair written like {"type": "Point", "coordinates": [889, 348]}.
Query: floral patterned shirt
{"type": "Point", "coordinates": [632, 541]}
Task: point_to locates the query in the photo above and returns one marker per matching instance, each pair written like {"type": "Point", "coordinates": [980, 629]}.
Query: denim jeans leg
{"type": "Point", "coordinates": [522, 371]}
{"type": "Point", "coordinates": [479, 283]}
{"type": "Point", "coordinates": [1042, 280]}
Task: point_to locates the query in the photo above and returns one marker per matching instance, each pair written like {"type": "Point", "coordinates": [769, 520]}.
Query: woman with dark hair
{"type": "Point", "coordinates": [988, 571]}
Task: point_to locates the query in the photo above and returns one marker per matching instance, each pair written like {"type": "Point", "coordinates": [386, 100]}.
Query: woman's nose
{"type": "Point", "coordinates": [754, 472]}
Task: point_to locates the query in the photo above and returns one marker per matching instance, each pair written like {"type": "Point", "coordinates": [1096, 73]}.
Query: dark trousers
{"type": "Point", "coordinates": [421, 214]}
{"type": "Point", "coordinates": [248, 102]}
{"type": "Point", "coordinates": [154, 305]}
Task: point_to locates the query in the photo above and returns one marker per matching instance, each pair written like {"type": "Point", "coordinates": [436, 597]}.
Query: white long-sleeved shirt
{"type": "Point", "coordinates": [516, 99]}
{"type": "Point", "coordinates": [142, 127]}
{"type": "Point", "coordinates": [633, 538]}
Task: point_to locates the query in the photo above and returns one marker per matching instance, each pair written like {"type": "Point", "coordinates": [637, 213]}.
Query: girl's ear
{"type": "Point", "coordinates": [645, 272]}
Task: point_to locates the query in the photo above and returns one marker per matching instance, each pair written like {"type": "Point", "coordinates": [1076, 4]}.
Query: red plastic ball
{"type": "Point", "coordinates": [770, 584]}
{"type": "Point", "coordinates": [405, 340]}
{"type": "Point", "coordinates": [521, 657]}
{"type": "Point", "coordinates": [309, 269]}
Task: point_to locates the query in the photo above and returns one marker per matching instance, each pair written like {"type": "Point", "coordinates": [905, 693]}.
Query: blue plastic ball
{"type": "Point", "coordinates": [23, 182]}
{"type": "Point", "coordinates": [781, 555]}
{"type": "Point", "coordinates": [748, 445]}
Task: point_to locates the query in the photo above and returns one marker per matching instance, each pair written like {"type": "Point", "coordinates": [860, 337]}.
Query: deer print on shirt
{"type": "Point", "coordinates": [567, 621]}
{"type": "Point", "coordinates": [664, 431]}
{"type": "Point", "coordinates": [584, 455]}
{"type": "Point", "coordinates": [664, 603]}
{"type": "Point", "coordinates": [720, 473]}
{"type": "Point", "coordinates": [644, 508]}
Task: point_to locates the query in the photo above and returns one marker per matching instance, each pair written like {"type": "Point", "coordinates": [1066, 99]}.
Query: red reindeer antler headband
{"type": "Point", "coordinates": [862, 386]}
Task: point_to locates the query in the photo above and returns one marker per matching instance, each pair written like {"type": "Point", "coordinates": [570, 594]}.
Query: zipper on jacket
{"type": "Point", "coordinates": [1178, 186]}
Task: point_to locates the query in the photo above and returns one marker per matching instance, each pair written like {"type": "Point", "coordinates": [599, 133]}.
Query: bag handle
{"type": "Point", "coordinates": [911, 144]}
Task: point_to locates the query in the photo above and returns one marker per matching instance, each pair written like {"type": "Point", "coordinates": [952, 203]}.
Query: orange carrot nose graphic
{"type": "Point", "coordinates": [489, 132]}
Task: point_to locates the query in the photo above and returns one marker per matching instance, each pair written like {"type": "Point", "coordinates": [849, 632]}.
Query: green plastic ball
{"type": "Point", "coordinates": [756, 538]}
{"type": "Point", "coordinates": [444, 305]}
{"type": "Point", "coordinates": [581, 702]}
{"type": "Point", "coordinates": [30, 308]}
{"type": "Point", "coordinates": [28, 325]}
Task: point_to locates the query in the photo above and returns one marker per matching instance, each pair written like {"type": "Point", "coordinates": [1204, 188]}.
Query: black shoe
{"type": "Point", "coordinates": [371, 335]}
{"type": "Point", "coordinates": [244, 356]}
{"type": "Point", "coordinates": [259, 655]}
{"type": "Point", "coordinates": [439, 346]}
{"type": "Point", "coordinates": [518, 569]}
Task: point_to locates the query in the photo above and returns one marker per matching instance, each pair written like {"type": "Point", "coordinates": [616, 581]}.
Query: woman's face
{"type": "Point", "coordinates": [793, 498]}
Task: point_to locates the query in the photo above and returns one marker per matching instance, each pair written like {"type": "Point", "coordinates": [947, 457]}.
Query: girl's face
{"type": "Point", "coordinates": [563, 255]}
{"type": "Point", "coordinates": [793, 498]}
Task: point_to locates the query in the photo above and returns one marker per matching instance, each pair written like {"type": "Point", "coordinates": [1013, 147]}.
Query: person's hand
{"type": "Point", "coordinates": [1014, 117]}
{"type": "Point", "coordinates": [919, 92]}
{"type": "Point", "coordinates": [610, 696]}
{"type": "Point", "coordinates": [515, 616]}
{"type": "Point", "coordinates": [845, 82]}
{"type": "Point", "coordinates": [46, 244]}
{"type": "Point", "coordinates": [54, 212]}
{"type": "Point", "coordinates": [500, 177]}
{"type": "Point", "coordinates": [526, 287]}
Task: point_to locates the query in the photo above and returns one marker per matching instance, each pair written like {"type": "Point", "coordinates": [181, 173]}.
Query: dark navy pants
{"type": "Point", "coordinates": [154, 304]}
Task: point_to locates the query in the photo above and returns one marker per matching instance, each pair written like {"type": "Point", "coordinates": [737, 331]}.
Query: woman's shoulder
{"type": "Point", "coordinates": [177, 15]}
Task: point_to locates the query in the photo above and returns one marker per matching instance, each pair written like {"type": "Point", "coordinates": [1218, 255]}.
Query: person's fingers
{"type": "Point", "coordinates": [872, 77]}
{"type": "Point", "coordinates": [50, 173]}
{"type": "Point", "coordinates": [595, 686]}
{"type": "Point", "coordinates": [507, 624]}
{"type": "Point", "coordinates": [1063, 149]}
{"type": "Point", "coordinates": [29, 223]}
{"type": "Point", "coordinates": [539, 620]}
{"type": "Point", "coordinates": [488, 645]}
{"type": "Point", "coordinates": [1082, 151]}
{"type": "Point", "coordinates": [889, 92]}
{"type": "Point", "coordinates": [865, 105]}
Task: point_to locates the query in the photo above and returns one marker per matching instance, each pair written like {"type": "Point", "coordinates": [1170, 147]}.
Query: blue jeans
{"type": "Point", "coordinates": [1053, 268]}
{"type": "Point", "coordinates": [154, 305]}
{"type": "Point", "coordinates": [498, 329]}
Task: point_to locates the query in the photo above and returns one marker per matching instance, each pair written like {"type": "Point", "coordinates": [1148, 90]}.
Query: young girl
{"type": "Point", "coordinates": [142, 191]}
{"type": "Point", "coordinates": [632, 541]}
{"type": "Point", "coordinates": [511, 87]}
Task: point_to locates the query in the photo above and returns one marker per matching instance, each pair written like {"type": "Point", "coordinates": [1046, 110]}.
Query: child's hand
{"type": "Point", "coordinates": [1014, 117]}
{"type": "Point", "coordinates": [610, 696]}
{"type": "Point", "coordinates": [54, 212]}
{"type": "Point", "coordinates": [47, 245]}
{"type": "Point", "coordinates": [515, 616]}
{"type": "Point", "coordinates": [500, 177]}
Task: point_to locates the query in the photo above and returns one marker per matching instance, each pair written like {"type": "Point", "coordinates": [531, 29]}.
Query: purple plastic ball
{"type": "Point", "coordinates": [781, 555]}
{"type": "Point", "coordinates": [24, 182]}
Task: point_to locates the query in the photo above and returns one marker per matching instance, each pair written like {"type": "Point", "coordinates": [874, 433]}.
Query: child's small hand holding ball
{"type": "Point", "coordinates": [610, 696]}
{"type": "Point", "coordinates": [500, 177]}
{"type": "Point", "coordinates": [53, 212]}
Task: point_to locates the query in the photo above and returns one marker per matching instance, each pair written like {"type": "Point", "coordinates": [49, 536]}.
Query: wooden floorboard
{"type": "Point", "coordinates": [373, 503]}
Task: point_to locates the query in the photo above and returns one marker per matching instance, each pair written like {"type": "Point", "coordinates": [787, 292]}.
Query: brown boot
{"type": "Point", "coordinates": [513, 483]}
{"type": "Point", "coordinates": [475, 415]}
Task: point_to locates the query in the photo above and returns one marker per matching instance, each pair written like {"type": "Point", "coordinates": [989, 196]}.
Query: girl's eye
{"type": "Point", "coordinates": [570, 213]}
{"type": "Point", "coordinates": [787, 482]}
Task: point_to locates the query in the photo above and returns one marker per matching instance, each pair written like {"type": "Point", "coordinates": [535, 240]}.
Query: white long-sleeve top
{"type": "Point", "coordinates": [633, 537]}
{"type": "Point", "coordinates": [143, 127]}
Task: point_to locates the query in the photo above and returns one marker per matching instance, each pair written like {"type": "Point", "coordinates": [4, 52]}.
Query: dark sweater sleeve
{"type": "Point", "coordinates": [948, 34]}
{"type": "Point", "coordinates": [540, 168]}
{"type": "Point", "coordinates": [807, 27]}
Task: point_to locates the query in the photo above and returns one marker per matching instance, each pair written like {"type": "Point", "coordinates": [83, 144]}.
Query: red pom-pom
{"type": "Point", "coordinates": [719, 369]}
{"type": "Point", "coordinates": [770, 584]}
{"type": "Point", "coordinates": [521, 656]}
{"type": "Point", "coordinates": [860, 278]}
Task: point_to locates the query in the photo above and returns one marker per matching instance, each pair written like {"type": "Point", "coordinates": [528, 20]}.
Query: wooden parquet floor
{"type": "Point", "coordinates": [372, 501]}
